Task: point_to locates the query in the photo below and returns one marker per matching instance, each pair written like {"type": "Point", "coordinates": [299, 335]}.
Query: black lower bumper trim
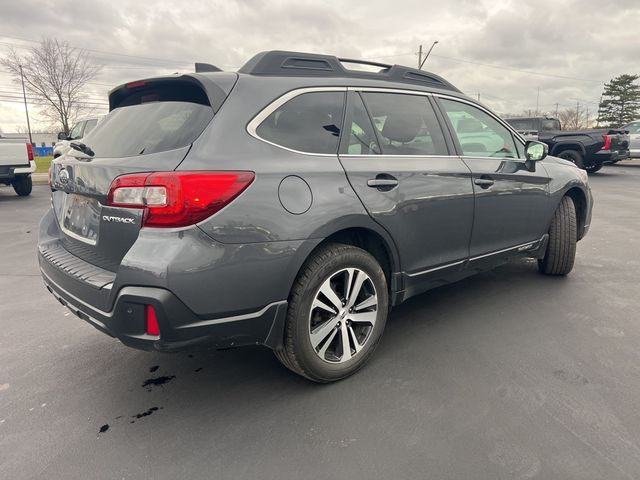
{"type": "Point", "coordinates": [180, 328]}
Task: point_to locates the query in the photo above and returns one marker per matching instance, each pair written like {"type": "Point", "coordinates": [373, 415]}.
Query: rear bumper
{"type": "Point", "coordinates": [8, 172]}
{"type": "Point", "coordinates": [610, 157]}
{"type": "Point", "coordinates": [180, 328]}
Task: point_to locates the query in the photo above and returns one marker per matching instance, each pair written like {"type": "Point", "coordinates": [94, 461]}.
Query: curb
{"type": "Point", "coordinates": [40, 178]}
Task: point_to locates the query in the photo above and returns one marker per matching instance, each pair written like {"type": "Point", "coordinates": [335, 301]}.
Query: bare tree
{"type": "Point", "coordinates": [56, 75]}
{"type": "Point", "coordinates": [575, 118]}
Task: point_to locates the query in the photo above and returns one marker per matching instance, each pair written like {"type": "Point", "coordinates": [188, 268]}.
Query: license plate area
{"type": "Point", "coordinates": [81, 218]}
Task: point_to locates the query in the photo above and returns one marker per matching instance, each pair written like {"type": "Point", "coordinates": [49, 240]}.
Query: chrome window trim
{"type": "Point", "coordinates": [255, 122]}
{"type": "Point", "coordinates": [390, 90]}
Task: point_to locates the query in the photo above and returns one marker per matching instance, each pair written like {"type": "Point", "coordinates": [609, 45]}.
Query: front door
{"type": "Point", "coordinates": [511, 200]}
{"type": "Point", "coordinates": [409, 179]}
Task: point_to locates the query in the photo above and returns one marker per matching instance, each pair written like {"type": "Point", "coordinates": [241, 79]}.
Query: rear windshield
{"type": "Point", "coordinates": [148, 128]}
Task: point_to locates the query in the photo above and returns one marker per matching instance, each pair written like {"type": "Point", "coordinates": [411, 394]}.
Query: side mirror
{"type": "Point", "coordinates": [535, 151]}
{"type": "Point", "coordinates": [62, 136]}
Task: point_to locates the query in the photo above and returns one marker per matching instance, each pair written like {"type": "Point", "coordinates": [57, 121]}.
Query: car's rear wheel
{"type": "Point", "coordinates": [561, 249]}
{"type": "Point", "coordinates": [337, 312]}
{"type": "Point", "coordinates": [22, 185]}
{"type": "Point", "coordinates": [573, 156]}
{"type": "Point", "coordinates": [593, 168]}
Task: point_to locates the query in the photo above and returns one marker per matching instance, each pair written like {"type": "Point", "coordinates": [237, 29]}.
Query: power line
{"type": "Point", "coordinates": [166, 60]}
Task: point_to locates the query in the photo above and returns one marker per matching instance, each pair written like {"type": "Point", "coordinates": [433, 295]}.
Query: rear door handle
{"type": "Point", "coordinates": [484, 182]}
{"type": "Point", "coordinates": [383, 182]}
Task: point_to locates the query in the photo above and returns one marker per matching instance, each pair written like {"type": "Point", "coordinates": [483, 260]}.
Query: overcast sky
{"type": "Point", "coordinates": [502, 49]}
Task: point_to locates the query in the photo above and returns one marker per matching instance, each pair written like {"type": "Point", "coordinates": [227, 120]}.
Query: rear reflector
{"type": "Point", "coordinates": [152, 322]}
{"type": "Point", "coordinates": [30, 151]}
{"type": "Point", "coordinates": [177, 199]}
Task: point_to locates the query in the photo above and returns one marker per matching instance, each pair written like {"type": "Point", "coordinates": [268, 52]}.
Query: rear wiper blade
{"type": "Point", "coordinates": [81, 147]}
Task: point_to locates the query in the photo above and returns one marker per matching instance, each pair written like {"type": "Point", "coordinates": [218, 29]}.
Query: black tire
{"type": "Point", "coordinates": [561, 249]}
{"type": "Point", "coordinates": [22, 185]}
{"type": "Point", "coordinates": [297, 352]}
{"type": "Point", "coordinates": [593, 168]}
{"type": "Point", "coordinates": [573, 156]}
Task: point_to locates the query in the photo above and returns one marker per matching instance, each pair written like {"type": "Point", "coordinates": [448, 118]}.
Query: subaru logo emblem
{"type": "Point", "coordinates": [63, 176]}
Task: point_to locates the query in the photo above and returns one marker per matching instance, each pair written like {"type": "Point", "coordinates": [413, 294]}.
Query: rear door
{"type": "Point", "coordinates": [511, 201]}
{"type": "Point", "coordinates": [406, 175]}
{"type": "Point", "coordinates": [150, 128]}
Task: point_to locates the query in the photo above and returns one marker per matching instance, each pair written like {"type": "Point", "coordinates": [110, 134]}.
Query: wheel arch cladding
{"type": "Point", "coordinates": [561, 147]}
{"type": "Point", "coordinates": [580, 203]}
{"type": "Point", "coordinates": [368, 240]}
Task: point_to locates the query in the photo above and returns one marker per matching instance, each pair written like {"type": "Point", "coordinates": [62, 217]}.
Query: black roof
{"type": "Point", "coordinates": [297, 64]}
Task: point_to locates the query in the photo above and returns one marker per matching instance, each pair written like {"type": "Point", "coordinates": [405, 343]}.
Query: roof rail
{"type": "Point", "coordinates": [297, 64]}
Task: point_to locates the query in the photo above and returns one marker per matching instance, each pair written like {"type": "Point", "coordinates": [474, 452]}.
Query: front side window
{"type": "Point", "coordinates": [406, 124]}
{"type": "Point", "coordinates": [309, 123]}
{"type": "Point", "coordinates": [76, 131]}
{"type": "Point", "coordinates": [479, 134]}
{"type": "Point", "coordinates": [90, 125]}
{"type": "Point", "coordinates": [633, 128]}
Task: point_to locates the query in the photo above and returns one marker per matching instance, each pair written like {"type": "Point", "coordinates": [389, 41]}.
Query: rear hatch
{"type": "Point", "coordinates": [150, 128]}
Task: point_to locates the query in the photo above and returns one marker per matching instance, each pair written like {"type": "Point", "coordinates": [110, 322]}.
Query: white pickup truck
{"type": "Point", "coordinates": [16, 164]}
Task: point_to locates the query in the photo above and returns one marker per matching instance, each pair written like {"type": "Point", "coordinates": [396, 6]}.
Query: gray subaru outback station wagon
{"type": "Point", "coordinates": [292, 204]}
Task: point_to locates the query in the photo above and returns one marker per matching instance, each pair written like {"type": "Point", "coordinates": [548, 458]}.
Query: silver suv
{"type": "Point", "coordinates": [292, 204]}
{"type": "Point", "coordinates": [81, 129]}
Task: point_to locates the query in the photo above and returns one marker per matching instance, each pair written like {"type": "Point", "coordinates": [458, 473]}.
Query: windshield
{"type": "Point", "coordinates": [149, 128]}
{"type": "Point", "coordinates": [522, 124]}
{"type": "Point", "coordinates": [550, 124]}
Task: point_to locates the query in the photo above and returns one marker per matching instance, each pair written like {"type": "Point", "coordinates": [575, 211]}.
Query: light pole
{"type": "Point", "coordinates": [422, 60]}
{"type": "Point", "coordinates": [24, 95]}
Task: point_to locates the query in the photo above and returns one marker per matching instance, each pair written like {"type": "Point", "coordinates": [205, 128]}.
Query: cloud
{"type": "Point", "coordinates": [584, 39]}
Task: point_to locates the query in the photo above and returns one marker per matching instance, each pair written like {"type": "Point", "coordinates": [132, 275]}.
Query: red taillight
{"type": "Point", "coordinates": [152, 321]}
{"type": "Point", "coordinates": [607, 142]}
{"type": "Point", "coordinates": [49, 174]}
{"type": "Point", "coordinates": [30, 151]}
{"type": "Point", "coordinates": [139, 83]}
{"type": "Point", "coordinates": [177, 199]}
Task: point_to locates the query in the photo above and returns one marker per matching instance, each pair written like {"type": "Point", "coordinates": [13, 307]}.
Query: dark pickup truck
{"type": "Point", "coordinates": [588, 149]}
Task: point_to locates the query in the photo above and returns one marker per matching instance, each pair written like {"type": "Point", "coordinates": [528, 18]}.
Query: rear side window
{"type": "Point", "coordinates": [152, 118]}
{"type": "Point", "coordinates": [360, 138]}
{"type": "Point", "coordinates": [406, 124]}
{"type": "Point", "coordinates": [309, 123]}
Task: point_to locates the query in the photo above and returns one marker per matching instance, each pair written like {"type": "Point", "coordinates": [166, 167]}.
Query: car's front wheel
{"type": "Point", "coordinates": [561, 249]}
{"type": "Point", "coordinates": [337, 312]}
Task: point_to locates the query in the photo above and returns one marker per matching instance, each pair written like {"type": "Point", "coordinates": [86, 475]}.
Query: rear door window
{"type": "Point", "coordinates": [406, 124]}
{"type": "Point", "coordinates": [360, 138]}
{"type": "Point", "coordinates": [309, 123]}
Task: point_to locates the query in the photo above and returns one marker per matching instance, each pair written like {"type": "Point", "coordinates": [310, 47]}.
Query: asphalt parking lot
{"type": "Point", "coordinates": [508, 374]}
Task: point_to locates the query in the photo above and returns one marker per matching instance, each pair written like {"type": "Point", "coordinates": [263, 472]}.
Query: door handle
{"type": "Point", "coordinates": [383, 182]}
{"type": "Point", "coordinates": [484, 182]}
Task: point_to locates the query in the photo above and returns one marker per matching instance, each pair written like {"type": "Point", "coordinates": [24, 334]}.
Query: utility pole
{"type": "Point", "coordinates": [478, 96]}
{"type": "Point", "coordinates": [421, 60]}
{"type": "Point", "coordinates": [587, 118]}
{"type": "Point", "coordinates": [557, 105]}
{"type": "Point", "coordinates": [538, 101]}
{"type": "Point", "coordinates": [577, 113]}
{"type": "Point", "coordinates": [24, 95]}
